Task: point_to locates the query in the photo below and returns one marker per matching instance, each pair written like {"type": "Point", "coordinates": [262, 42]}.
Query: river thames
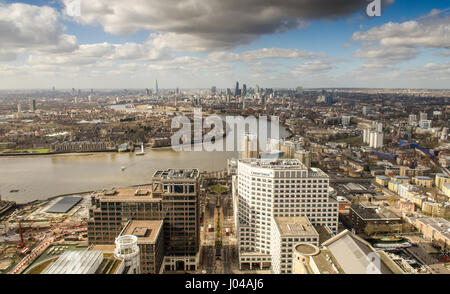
{"type": "Point", "coordinates": [40, 177]}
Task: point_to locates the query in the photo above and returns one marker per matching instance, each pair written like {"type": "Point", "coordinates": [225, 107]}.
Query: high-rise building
{"type": "Point", "coordinates": [268, 189]}
{"type": "Point", "coordinates": [244, 90]}
{"type": "Point", "coordinates": [412, 119]}
{"type": "Point", "coordinates": [156, 88]}
{"type": "Point", "coordinates": [213, 90]}
{"type": "Point", "coordinates": [179, 193]}
{"type": "Point", "coordinates": [425, 124]}
{"type": "Point", "coordinates": [236, 91]}
{"type": "Point", "coordinates": [19, 108]}
{"type": "Point", "coordinates": [250, 146]}
{"type": "Point", "coordinates": [172, 198]}
{"type": "Point", "coordinates": [373, 136]}
{"type": "Point", "coordinates": [147, 91]}
{"type": "Point", "coordinates": [345, 120]}
{"type": "Point", "coordinates": [32, 105]}
{"type": "Point", "coordinates": [365, 110]}
{"type": "Point", "coordinates": [111, 210]}
{"type": "Point", "coordinates": [423, 116]}
{"type": "Point", "coordinates": [325, 98]}
{"type": "Point", "coordinates": [304, 157]}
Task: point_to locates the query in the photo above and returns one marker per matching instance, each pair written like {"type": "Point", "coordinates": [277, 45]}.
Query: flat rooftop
{"type": "Point", "coordinates": [146, 231]}
{"type": "Point", "coordinates": [371, 213]}
{"type": "Point", "coordinates": [64, 204]}
{"type": "Point", "coordinates": [326, 263]}
{"type": "Point", "coordinates": [176, 174]}
{"type": "Point", "coordinates": [295, 226]}
{"type": "Point", "coordinates": [439, 224]}
{"type": "Point", "coordinates": [124, 194]}
{"type": "Point", "coordinates": [275, 163]}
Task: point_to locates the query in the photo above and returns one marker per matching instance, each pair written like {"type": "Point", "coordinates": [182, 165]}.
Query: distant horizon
{"type": "Point", "coordinates": [220, 88]}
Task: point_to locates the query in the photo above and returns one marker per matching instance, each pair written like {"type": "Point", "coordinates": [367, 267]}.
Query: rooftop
{"type": "Point", "coordinates": [326, 263]}
{"type": "Point", "coordinates": [306, 249]}
{"type": "Point", "coordinates": [275, 163]}
{"type": "Point", "coordinates": [439, 224]}
{"type": "Point", "coordinates": [146, 231]}
{"type": "Point", "coordinates": [76, 262]}
{"type": "Point", "coordinates": [351, 253]}
{"type": "Point", "coordinates": [124, 194]}
{"type": "Point", "coordinates": [176, 174]}
{"type": "Point", "coordinates": [295, 226]}
{"type": "Point", "coordinates": [371, 212]}
{"type": "Point", "coordinates": [64, 204]}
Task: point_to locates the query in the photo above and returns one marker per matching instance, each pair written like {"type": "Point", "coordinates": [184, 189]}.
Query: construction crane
{"type": "Point", "coordinates": [20, 245]}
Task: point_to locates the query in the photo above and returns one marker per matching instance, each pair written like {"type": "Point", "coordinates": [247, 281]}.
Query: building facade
{"type": "Point", "coordinates": [263, 190]}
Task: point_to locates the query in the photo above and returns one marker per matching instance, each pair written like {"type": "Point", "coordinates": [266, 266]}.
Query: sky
{"type": "Point", "coordinates": [204, 43]}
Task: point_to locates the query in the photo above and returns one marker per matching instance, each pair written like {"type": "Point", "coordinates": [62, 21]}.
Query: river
{"type": "Point", "coordinates": [42, 176]}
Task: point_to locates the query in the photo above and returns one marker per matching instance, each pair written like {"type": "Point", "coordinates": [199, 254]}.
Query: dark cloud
{"type": "Point", "coordinates": [220, 24]}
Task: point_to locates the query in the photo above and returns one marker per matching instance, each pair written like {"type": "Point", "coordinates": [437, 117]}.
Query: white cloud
{"type": "Point", "coordinates": [433, 34]}
{"type": "Point", "coordinates": [265, 53]}
{"type": "Point", "coordinates": [383, 54]}
{"type": "Point", "coordinates": [312, 68]}
{"type": "Point", "coordinates": [29, 28]}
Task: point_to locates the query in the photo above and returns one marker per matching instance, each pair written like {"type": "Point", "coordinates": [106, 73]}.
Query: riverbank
{"type": "Point", "coordinates": [54, 153]}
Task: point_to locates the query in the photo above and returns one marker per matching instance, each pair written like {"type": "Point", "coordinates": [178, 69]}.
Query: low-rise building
{"type": "Point", "coordinates": [377, 218]}
{"type": "Point", "coordinates": [423, 181]}
{"type": "Point", "coordinates": [382, 180]}
{"type": "Point", "coordinates": [393, 186]}
{"type": "Point", "coordinates": [441, 179]}
{"type": "Point", "coordinates": [401, 179]}
{"type": "Point", "coordinates": [437, 230]}
{"type": "Point", "coordinates": [446, 189]}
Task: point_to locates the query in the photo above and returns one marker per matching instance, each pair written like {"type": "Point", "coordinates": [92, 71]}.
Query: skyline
{"type": "Point", "coordinates": [192, 46]}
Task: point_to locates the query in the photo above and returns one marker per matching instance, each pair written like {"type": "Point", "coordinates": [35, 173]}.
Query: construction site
{"type": "Point", "coordinates": [39, 232]}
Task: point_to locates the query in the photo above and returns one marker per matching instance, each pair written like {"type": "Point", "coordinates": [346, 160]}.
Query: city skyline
{"type": "Point", "coordinates": [188, 45]}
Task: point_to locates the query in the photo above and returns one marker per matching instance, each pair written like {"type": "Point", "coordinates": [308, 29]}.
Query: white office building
{"type": "Point", "coordinates": [287, 232]}
{"type": "Point", "coordinates": [266, 189]}
{"type": "Point", "coordinates": [374, 136]}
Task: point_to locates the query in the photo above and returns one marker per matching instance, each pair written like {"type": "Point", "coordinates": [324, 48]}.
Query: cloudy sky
{"type": "Point", "coordinates": [201, 43]}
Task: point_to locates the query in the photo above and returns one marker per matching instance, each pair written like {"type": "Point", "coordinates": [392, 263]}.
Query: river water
{"type": "Point", "coordinates": [40, 177]}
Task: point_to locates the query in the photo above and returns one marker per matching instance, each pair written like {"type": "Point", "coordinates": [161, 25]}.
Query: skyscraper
{"type": "Point", "coordinates": [265, 190]}
{"type": "Point", "coordinates": [213, 90]}
{"type": "Point", "coordinates": [156, 88]}
{"type": "Point", "coordinates": [244, 90]}
{"type": "Point", "coordinates": [172, 198]}
{"type": "Point", "coordinates": [32, 105]}
{"type": "Point", "coordinates": [236, 91]}
{"type": "Point", "coordinates": [179, 191]}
